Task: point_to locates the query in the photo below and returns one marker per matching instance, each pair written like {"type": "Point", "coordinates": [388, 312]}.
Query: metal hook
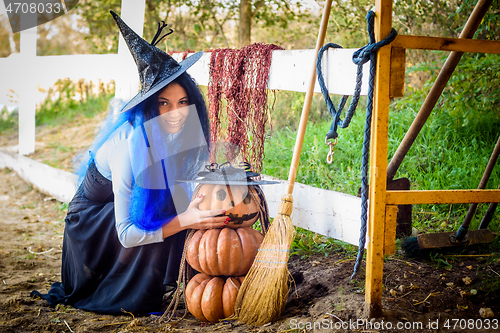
{"type": "Point", "coordinates": [329, 157]}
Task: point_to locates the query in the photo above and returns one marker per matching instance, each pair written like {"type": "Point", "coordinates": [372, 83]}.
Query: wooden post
{"type": "Point", "coordinates": [391, 214]}
{"type": "Point", "coordinates": [378, 164]}
{"type": "Point", "coordinates": [127, 87]}
{"type": "Point", "coordinates": [27, 89]}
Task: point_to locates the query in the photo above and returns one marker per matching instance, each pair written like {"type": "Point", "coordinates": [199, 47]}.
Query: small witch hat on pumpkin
{"type": "Point", "coordinates": [235, 190]}
{"type": "Point", "coordinates": [226, 174]}
{"type": "Point", "coordinates": [156, 68]}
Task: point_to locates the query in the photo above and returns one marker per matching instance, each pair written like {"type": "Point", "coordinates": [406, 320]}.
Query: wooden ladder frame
{"type": "Point", "coordinates": [383, 203]}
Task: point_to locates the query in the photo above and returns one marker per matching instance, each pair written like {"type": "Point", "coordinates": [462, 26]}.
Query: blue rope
{"type": "Point", "coordinates": [360, 57]}
{"type": "Point", "coordinates": [369, 52]}
{"type": "Point", "coordinates": [337, 122]}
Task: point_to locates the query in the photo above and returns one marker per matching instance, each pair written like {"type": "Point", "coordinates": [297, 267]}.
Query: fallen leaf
{"type": "Point", "coordinates": [469, 267]}
{"type": "Point", "coordinates": [486, 313]}
{"type": "Point", "coordinates": [467, 280]}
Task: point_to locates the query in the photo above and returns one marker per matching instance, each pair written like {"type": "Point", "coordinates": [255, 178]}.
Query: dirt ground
{"type": "Point", "coordinates": [441, 295]}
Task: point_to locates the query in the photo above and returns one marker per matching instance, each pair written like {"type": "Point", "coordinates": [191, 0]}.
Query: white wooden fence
{"type": "Point", "coordinates": [329, 213]}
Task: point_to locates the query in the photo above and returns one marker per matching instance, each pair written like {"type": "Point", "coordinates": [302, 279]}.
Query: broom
{"type": "Point", "coordinates": [263, 294]}
{"type": "Point", "coordinates": [417, 246]}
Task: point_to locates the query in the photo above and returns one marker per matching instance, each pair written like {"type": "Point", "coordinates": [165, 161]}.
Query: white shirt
{"type": "Point", "coordinates": [114, 162]}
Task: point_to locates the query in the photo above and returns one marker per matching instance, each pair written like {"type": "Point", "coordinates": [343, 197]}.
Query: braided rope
{"type": "Point", "coordinates": [367, 53]}
{"type": "Point", "coordinates": [360, 57]}
{"type": "Point", "coordinates": [181, 285]}
{"type": "Point", "coordinates": [332, 133]}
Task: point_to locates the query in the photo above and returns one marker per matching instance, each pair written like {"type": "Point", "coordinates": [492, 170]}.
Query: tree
{"type": "Point", "coordinates": [198, 24]}
{"type": "Point", "coordinates": [245, 26]}
{"type": "Point", "coordinates": [7, 41]}
{"type": "Point", "coordinates": [278, 14]}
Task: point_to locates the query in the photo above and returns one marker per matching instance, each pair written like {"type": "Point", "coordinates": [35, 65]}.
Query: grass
{"type": "Point", "coordinates": [68, 99]}
{"type": "Point", "coordinates": [446, 155]}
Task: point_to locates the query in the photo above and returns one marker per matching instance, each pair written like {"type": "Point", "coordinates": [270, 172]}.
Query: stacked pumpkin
{"type": "Point", "coordinates": [223, 256]}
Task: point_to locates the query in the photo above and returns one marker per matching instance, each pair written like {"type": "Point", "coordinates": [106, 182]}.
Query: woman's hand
{"type": "Point", "coordinates": [194, 218]}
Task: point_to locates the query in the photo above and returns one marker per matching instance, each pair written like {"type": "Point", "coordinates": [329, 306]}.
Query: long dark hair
{"type": "Point", "coordinates": [150, 209]}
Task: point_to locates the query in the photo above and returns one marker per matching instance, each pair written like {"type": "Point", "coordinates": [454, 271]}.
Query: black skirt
{"type": "Point", "coordinates": [98, 273]}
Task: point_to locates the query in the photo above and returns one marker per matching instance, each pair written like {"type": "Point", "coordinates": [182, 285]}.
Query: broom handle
{"type": "Point", "coordinates": [483, 182]}
{"type": "Point", "coordinates": [307, 103]}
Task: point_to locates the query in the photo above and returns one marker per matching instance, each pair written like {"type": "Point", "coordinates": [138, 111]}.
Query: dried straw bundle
{"type": "Point", "coordinates": [267, 280]}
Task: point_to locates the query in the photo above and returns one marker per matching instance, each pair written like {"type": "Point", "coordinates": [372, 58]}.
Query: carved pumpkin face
{"type": "Point", "coordinates": [236, 200]}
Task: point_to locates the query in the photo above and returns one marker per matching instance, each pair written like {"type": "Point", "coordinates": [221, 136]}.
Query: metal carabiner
{"type": "Point", "coordinates": [329, 157]}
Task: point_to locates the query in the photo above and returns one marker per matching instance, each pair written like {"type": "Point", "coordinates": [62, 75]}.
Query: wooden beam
{"type": "Point", "coordinates": [398, 68]}
{"type": "Point", "coordinates": [131, 11]}
{"type": "Point", "coordinates": [391, 214]}
{"type": "Point", "coordinates": [378, 164]}
{"type": "Point", "coordinates": [442, 196]}
{"type": "Point", "coordinates": [27, 88]}
{"type": "Point", "coordinates": [447, 44]}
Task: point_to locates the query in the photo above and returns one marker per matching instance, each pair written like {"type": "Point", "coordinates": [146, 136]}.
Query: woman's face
{"type": "Point", "coordinates": [173, 105]}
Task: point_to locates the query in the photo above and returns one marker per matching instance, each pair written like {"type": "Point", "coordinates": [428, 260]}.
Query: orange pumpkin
{"type": "Point", "coordinates": [212, 298]}
{"type": "Point", "coordinates": [228, 252]}
{"type": "Point", "coordinates": [238, 202]}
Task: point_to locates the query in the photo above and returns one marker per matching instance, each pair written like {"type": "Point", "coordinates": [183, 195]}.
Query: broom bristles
{"type": "Point", "coordinates": [263, 294]}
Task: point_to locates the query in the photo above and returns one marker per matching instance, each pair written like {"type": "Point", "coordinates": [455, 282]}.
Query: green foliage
{"type": "Point", "coordinates": [307, 243]}
{"type": "Point", "coordinates": [9, 43]}
{"type": "Point", "coordinates": [68, 99]}
{"type": "Point", "coordinates": [198, 25]}
{"type": "Point", "coordinates": [103, 35]}
{"type": "Point", "coordinates": [489, 28]}
{"type": "Point", "coordinates": [453, 148]}
{"type": "Point", "coordinates": [347, 24]}
{"type": "Point", "coordinates": [8, 120]}
{"type": "Point", "coordinates": [428, 18]}
{"type": "Point", "coordinates": [343, 175]}
{"type": "Point", "coordinates": [440, 261]}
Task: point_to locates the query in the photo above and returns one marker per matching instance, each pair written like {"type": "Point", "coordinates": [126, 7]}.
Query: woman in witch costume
{"type": "Point", "coordinates": [125, 227]}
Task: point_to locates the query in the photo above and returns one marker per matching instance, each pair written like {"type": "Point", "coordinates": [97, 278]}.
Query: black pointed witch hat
{"type": "Point", "coordinates": [226, 174]}
{"type": "Point", "coordinates": [156, 68]}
